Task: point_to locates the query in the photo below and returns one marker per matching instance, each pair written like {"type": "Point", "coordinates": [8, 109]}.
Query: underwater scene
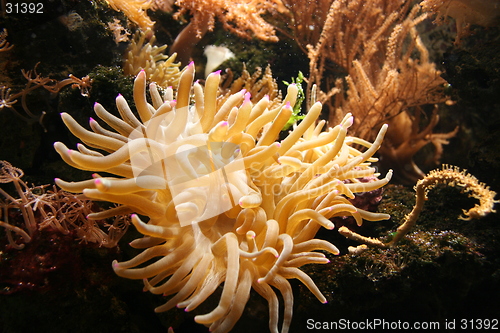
{"type": "Point", "coordinates": [249, 166]}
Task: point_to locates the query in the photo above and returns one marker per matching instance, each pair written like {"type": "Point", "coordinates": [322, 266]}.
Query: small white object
{"type": "Point", "coordinates": [216, 55]}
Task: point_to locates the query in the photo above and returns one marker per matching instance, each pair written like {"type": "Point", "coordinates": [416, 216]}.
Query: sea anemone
{"type": "Point", "coordinates": [225, 202]}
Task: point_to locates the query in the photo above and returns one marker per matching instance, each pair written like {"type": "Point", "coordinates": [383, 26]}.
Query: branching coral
{"type": "Point", "coordinates": [389, 73]}
{"type": "Point", "coordinates": [4, 44]}
{"type": "Point", "coordinates": [50, 209]}
{"type": "Point", "coordinates": [35, 81]}
{"type": "Point", "coordinates": [119, 32]}
{"type": "Point", "coordinates": [241, 17]}
{"type": "Point", "coordinates": [226, 202]}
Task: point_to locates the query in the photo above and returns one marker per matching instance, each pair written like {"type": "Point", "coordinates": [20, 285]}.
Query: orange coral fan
{"type": "Point", "coordinates": [242, 17]}
{"type": "Point", "coordinates": [227, 203]}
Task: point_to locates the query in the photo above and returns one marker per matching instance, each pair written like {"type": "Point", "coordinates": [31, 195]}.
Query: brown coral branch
{"type": "Point", "coordinates": [447, 175]}
{"type": "Point", "coordinates": [35, 81]}
{"type": "Point", "coordinates": [4, 44]}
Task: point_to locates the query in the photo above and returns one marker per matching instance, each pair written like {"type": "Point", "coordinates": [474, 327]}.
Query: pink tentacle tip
{"type": "Point", "coordinates": [98, 181]}
{"type": "Point", "coordinates": [91, 119]}
{"type": "Point", "coordinates": [287, 105]}
{"type": "Point", "coordinates": [349, 122]}
{"type": "Point", "coordinates": [217, 72]}
{"type": "Point", "coordinates": [247, 97]}
{"type": "Point", "coordinates": [191, 64]}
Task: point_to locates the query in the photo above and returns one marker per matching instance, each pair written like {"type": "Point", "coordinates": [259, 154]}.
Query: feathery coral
{"type": "Point", "coordinates": [226, 202]}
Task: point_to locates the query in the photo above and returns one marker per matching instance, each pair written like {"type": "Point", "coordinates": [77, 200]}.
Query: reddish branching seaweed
{"type": "Point", "coordinates": [48, 208]}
